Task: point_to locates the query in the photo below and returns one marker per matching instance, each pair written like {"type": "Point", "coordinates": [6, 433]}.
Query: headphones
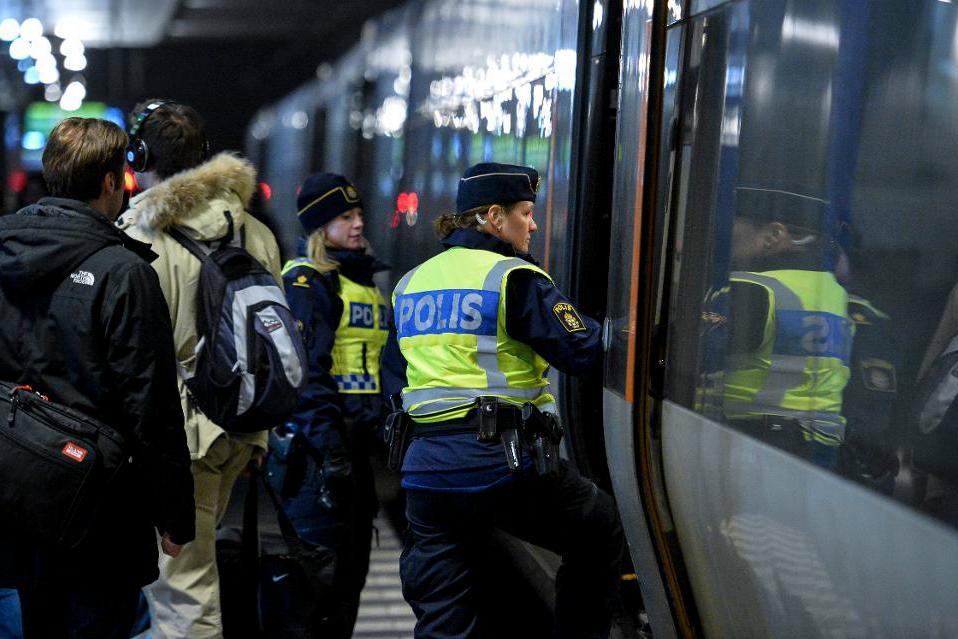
{"type": "Point", "coordinates": [137, 152]}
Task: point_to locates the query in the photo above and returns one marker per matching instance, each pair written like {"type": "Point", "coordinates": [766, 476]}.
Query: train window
{"type": "Point", "coordinates": [812, 299]}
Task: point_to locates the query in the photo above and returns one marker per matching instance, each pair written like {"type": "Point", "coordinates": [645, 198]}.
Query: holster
{"type": "Point", "coordinates": [544, 433]}
{"type": "Point", "coordinates": [397, 432]}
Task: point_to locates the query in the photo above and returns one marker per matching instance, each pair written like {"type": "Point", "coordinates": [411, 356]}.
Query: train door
{"type": "Point", "coordinates": [778, 468]}
{"type": "Point", "coordinates": [647, 122]}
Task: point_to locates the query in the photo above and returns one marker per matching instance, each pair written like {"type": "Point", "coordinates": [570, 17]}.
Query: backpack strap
{"type": "Point", "coordinates": [202, 250]}
{"type": "Point", "coordinates": [199, 250]}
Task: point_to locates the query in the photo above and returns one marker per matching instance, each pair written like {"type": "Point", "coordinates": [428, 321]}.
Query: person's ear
{"type": "Point", "coordinates": [775, 233]}
{"type": "Point", "coordinates": [110, 184]}
{"type": "Point", "coordinates": [496, 215]}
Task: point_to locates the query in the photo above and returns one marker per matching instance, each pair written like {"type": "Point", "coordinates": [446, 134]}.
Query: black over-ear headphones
{"type": "Point", "coordinates": [137, 152]}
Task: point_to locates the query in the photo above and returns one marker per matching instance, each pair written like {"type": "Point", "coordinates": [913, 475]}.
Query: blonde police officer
{"type": "Point", "coordinates": [478, 327]}
{"type": "Point", "coordinates": [343, 316]}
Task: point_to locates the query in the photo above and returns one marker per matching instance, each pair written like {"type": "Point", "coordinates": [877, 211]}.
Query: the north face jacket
{"type": "Point", "coordinates": [196, 202]}
{"type": "Point", "coordinates": [83, 320]}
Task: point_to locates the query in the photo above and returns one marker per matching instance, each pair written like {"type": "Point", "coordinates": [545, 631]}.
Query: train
{"type": "Point", "coordinates": [644, 118]}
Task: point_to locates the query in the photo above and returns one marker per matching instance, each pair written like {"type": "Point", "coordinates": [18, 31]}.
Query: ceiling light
{"type": "Point", "coordinates": [52, 92]}
{"type": "Point", "coordinates": [75, 89]}
{"type": "Point", "coordinates": [49, 75]}
{"type": "Point", "coordinates": [70, 103]}
{"type": "Point", "coordinates": [19, 49]}
{"type": "Point", "coordinates": [71, 46]}
{"type": "Point", "coordinates": [31, 29]}
{"type": "Point", "coordinates": [40, 47]}
{"type": "Point", "coordinates": [75, 62]}
{"type": "Point", "coordinates": [9, 29]}
{"type": "Point", "coordinates": [31, 76]}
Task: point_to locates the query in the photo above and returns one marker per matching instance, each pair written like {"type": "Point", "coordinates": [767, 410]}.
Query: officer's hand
{"type": "Point", "coordinates": [169, 547]}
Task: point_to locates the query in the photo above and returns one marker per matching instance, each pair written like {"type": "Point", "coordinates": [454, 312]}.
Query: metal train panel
{"type": "Point", "coordinates": [778, 548]}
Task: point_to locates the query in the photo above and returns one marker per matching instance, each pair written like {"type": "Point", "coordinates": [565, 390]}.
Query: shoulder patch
{"type": "Point", "coordinates": [568, 317]}
{"type": "Point", "coordinates": [879, 375]}
{"type": "Point", "coordinates": [302, 281]}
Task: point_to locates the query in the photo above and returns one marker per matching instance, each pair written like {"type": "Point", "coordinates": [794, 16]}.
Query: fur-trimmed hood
{"type": "Point", "coordinates": [197, 198]}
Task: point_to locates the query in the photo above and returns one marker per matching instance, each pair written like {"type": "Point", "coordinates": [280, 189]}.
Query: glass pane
{"type": "Point", "coordinates": [811, 291]}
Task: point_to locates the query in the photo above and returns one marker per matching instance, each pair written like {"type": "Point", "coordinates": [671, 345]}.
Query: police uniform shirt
{"type": "Point", "coordinates": [537, 314]}
{"type": "Point", "coordinates": [316, 305]}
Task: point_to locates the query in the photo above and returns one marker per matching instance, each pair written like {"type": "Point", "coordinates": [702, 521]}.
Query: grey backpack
{"type": "Point", "coordinates": [250, 358]}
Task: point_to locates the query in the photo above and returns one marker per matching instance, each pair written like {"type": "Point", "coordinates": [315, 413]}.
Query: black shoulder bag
{"type": "Point", "coordinates": [56, 466]}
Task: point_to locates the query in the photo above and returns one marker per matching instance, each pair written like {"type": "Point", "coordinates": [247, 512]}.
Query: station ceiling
{"type": "Point", "coordinates": [226, 57]}
{"type": "Point", "coordinates": [147, 23]}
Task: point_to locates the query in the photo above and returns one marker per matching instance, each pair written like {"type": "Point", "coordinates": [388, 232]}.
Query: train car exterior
{"type": "Point", "coordinates": [846, 104]}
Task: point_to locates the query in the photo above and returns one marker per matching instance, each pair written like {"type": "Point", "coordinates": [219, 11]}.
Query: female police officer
{"type": "Point", "coordinates": [331, 293]}
{"type": "Point", "coordinates": [478, 326]}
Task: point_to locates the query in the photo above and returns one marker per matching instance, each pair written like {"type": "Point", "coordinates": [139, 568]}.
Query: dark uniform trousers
{"type": "Point", "coordinates": [347, 531]}
{"type": "Point", "coordinates": [448, 533]}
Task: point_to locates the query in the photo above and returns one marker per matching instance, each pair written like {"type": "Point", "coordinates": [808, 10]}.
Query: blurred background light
{"type": "Point", "coordinates": [9, 29]}
{"type": "Point", "coordinates": [31, 29]}
{"type": "Point", "coordinates": [40, 47]}
{"type": "Point", "coordinates": [20, 49]}
{"type": "Point", "coordinates": [71, 47]}
{"type": "Point", "coordinates": [75, 62]}
{"type": "Point", "coordinates": [52, 92]}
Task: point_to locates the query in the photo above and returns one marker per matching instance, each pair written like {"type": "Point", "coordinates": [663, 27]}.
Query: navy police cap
{"type": "Point", "coordinates": [783, 203]}
{"type": "Point", "coordinates": [494, 183]}
{"type": "Point", "coordinates": [325, 196]}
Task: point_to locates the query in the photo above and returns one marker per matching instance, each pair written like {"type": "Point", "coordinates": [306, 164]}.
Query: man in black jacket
{"type": "Point", "coordinates": [83, 320]}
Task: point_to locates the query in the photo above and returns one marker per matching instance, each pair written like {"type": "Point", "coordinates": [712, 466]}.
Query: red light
{"type": "Point", "coordinates": [266, 189]}
{"type": "Point", "coordinates": [129, 181]}
{"type": "Point", "coordinates": [413, 201]}
{"type": "Point", "coordinates": [17, 181]}
{"type": "Point", "coordinates": [402, 202]}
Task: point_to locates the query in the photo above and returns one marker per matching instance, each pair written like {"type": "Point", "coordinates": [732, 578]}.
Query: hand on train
{"type": "Point", "coordinates": [169, 547]}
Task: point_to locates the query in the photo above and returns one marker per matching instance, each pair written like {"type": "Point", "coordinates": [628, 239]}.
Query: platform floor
{"type": "Point", "coordinates": [383, 613]}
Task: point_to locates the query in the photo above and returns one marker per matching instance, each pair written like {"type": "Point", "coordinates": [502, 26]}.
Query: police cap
{"type": "Point", "coordinates": [785, 204]}
{"type": "Point", "coordinates": [323, 197]}
{"type": "Point", "coordinates": [494, 183]}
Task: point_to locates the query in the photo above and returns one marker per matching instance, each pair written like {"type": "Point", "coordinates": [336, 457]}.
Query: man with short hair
{"type": "Point", "coordinates": [204, 198]}
{"type": "Point", "coordinates": [83, 321]}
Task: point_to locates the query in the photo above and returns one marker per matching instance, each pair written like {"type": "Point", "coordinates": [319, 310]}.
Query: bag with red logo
{"type": "Point", "coordinates": [55, 467]}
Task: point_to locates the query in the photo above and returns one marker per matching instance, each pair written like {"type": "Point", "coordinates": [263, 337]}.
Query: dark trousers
{"type": "Point", "coordinates": [346, 530]}
{"type": "Point", "coordinates": [448, 533]}
{"type": "Point", "coordinates": [73, 609]}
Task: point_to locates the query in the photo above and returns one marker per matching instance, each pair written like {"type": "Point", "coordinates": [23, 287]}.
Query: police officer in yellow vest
{"type": "Point", "coordinates": [789, 333]}
{"type": "Point", "coordinates": [478, 327]}
{"type": "Point", "coordinates": [343, 316]}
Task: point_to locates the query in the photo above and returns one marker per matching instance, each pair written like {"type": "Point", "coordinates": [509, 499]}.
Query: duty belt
{"type": "Point", "coordinates": [492, 420]}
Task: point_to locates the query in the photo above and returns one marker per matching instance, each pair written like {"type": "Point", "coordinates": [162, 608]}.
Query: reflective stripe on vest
{"type": "Point", "coordinates": [802, 367]}
{"type": "Point", "coordinates": [439, 326]}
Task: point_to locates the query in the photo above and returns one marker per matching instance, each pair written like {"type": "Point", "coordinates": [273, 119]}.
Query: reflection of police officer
{"type": "Point", "coordinates": [343, 316]}
{"type": "Point", "coordinates": [869, 399]}
{"type": "Point", "coordinates": [478, 326]}
{"type": "Point", "coordinates": [789, 336]}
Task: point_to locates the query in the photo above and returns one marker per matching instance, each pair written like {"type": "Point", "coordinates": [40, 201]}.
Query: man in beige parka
{"type": "Point", "coordinates": [193, 192]}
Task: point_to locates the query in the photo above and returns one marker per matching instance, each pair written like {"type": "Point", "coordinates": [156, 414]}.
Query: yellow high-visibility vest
{"type": "Point", "coordinates": [801, 367]}
{"type": "Point", "coordinates": [450, 315]}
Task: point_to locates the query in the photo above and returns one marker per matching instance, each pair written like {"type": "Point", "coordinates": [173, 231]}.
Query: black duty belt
{"type": "Point", "coordinates": [507, 416]}
{"type": "Point", "coordinates": [491, 420]}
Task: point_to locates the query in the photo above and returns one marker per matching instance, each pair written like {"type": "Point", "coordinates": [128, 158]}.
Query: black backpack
{"type": "Point", "coordinates": [250, 359]}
